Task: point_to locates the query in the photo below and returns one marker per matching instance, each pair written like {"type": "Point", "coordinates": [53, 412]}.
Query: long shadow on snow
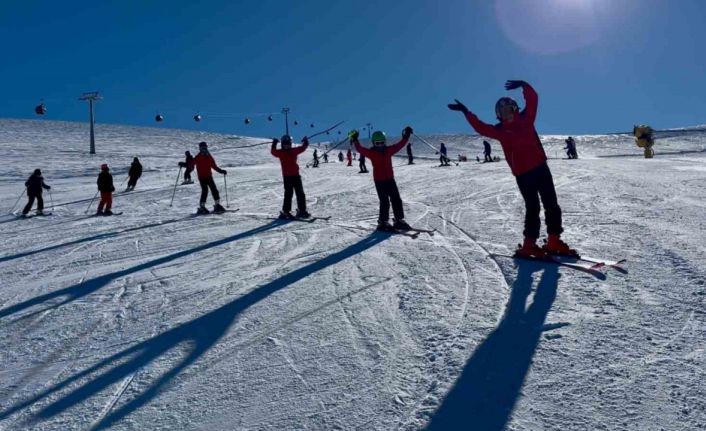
{"type": "Point", "coordinates": [484, 397]}
{"type": "Point", "coordinates": [198, 335]}
{"type": "Point", "coordinates": [89, 239]}
{"type": "Point", "coordinates": [80, 290]}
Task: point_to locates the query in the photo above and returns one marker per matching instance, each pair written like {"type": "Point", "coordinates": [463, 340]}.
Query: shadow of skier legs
{"type": "Point", "coordinates": [485, 394]}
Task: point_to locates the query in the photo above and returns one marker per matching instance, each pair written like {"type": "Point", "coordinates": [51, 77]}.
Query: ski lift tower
{"type": "Point", "coordinates": [285, 111]}
{"type": "Point", "coordinates": [91, 97]}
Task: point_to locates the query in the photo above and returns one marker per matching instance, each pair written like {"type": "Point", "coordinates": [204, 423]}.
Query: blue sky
{"type": "Point", "coordinates": [598, 65]}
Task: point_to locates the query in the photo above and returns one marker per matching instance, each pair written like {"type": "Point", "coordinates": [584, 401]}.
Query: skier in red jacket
{"type": "Point", "coordinates": [204, 162]}
{"type": "Point", "coordinates": [290, 174]}
{"type": "Point", "coordinates": [381, 158]}
{"type": "Point", "coordinates": [528, 162]}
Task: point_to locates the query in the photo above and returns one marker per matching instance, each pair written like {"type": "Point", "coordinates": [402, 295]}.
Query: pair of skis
{"type": "Point", "coordinates": [301, 219]}
{"type": "Point", "coordinates": [411, 233]}
{"type": "Point", "coordinates": [589, 265]}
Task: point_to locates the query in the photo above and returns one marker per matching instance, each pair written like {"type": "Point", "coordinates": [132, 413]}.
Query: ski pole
{"type": "Point", "coordinates": [91, 202]}
{"type": "Point", "coordinates": [51, 199]}
{"type": "Point", "coordinates": [225, 185]}
{"type": "Point", "coordinates": [17, 201]}
{"type": "Point", "coordinates": [175, 185]}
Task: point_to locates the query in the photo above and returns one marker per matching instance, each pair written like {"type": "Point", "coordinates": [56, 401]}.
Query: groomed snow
{"type": "Point", "coordinates": [157, 319]}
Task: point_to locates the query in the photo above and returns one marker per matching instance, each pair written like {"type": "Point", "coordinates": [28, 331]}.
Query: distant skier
{"type": "Point", "coordinates": [410, 156]}
{"type": "Point", "coordinates": [443, 158]}
{"type": "Point", "coordinates": [340, 156]}
{"type": "Point", "coordinates": [316, 158]}
{"type": "Point", "coordinates": [487, 151]}
{"type": "Point", "coordinates": [361, 164]}
{"type": "Point", "coordinates": [35, 185]}
{"type": "Point", "coordinates": [571, 148]}
{"type": "Point", "coordinates": [204, 163]}
{"type": "Point", "coordinates": [188, 165]}
{"type": "Point", "coordinates": [325, 156]}
{"type": "Point", "coordinates": [134, 173]}
{"type": "Point", "coordinates": [528, 162]}
{"type": "Point", "coordinates": [106, 189]}
{"type": "Point", "coordinates": [290, 175]}
{"type": "Point", "coordinates": [383, 175]}
{"type": "Point", "coordinates": [349, 157]}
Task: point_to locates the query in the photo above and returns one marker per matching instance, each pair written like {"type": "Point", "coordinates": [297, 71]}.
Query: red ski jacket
{"type": "Point", "coordinates": [288, 159]}
{"type": "Point", "coordinates": [381, 160]}
{"type": "Point", "coordinates": [204, 163]}
{"type": "Point", "coordinates": [521, 145]}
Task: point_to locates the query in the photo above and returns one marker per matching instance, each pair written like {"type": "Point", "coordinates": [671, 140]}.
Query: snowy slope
{"type": "Point", "coordinates": [160, 320]}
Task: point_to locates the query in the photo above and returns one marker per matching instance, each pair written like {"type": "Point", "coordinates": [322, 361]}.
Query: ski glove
{"type": "Point", "coordinates": [224, 172]}
{"type": "Point", "coordinates": [458, 106]}
{"type": "Point", "coordinates": [513, 84]}
{"type": "Point", "coordinates": [407, 132]}
{"type": "Point", "coordinates": [353, 134]}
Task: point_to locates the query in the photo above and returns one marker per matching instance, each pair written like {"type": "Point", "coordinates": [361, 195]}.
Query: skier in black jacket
{"type": "Point", "coordinates": [35, 185]}
{"type": "Point", "coordinates": [135, 173]}
{"type": "Point", "coordinates": [106, 188]}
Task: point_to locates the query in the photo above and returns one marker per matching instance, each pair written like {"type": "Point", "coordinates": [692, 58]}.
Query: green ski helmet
{"type": "Point", "coordinates": [378, 138]}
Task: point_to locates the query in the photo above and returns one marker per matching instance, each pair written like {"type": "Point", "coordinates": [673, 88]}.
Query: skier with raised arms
{"type": "Point", "coordinates": [290, 175]}
{"type": "Point", "coordinates": [381, 158]}
{"type": "Point", "coordinates": [528, 162]}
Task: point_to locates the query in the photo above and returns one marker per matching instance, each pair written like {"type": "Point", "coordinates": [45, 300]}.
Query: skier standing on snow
{"type": "Point", "coordinates": [571, 148]}
{"type": "Point", "coordinates": [349, 157]}
{"type": "Point", "coordinates": [204, 162]}
{"type": "Point", "coordinates": [486, 151]}
{"type": "Point", "coordinates": [443, 158]}
{"type": "Point", "coordinates": [290, 175]}
{"type": "Point", "coordinates": [134, 173]}
{"type": "Point", "coordinates": [361, 164]}
{"type": "Point", "coordinates": [316, 158]}
{"type": "Point", "coordinates": [528, 162]}
{"type": "Point", "coordinates": [383, 175]}
{"type": "Point", "coordinates": [106, 189]}
{"type": "Point", "coordinates": [340, 156]}
{"type": "Point", "coordinates": [410, 156]}
{"type": "Point", "coordinates": [35, 185]}
{"type": "Point", "coordinates": [188, 165]}
{"type": "Point", "coordinates": [325, 156]}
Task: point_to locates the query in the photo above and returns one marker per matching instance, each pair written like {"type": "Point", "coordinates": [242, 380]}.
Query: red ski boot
{"type": "Point", "coordinates": [530, 250]}
{"type": "Point", "coordinates": [558, 247]}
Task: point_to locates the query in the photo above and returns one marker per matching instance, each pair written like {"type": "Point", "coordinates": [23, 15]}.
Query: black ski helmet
{"type": "Point", "coordinates": [37, 172]}
{"type": "Point", "coordinates": [286, 140]}
{"type": "Point", "coordinates": [203, 144]}
{"type": "Point", "coordinates": [503, 102]}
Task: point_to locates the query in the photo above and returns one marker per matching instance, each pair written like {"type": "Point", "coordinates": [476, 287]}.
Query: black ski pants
{"type": "Point", "coordinates": [208, 183]}
{"type": "Point", "coordinates": [389, 194]}
{"type": "Point", "coordinates": [292, 185]}
{"type": "Point", "coordinates": [187, 174]}
{"type": "Point", "coordinates": [30, 202]}
{"type": "Point", "coordinates": [132, 182]}
{"type": "Point", "coordinates": [361, 165]}
{"type": "Point", "coordinates": [535, 184]}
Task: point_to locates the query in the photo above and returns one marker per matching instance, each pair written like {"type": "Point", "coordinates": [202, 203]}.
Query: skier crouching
{"type": "Point", "coordinates": [204, 162]}
{"type": "Point", "coordinates": [290, 175]}
{"type": "Point", "coordinates": [528, 162]}
{"type": "Point", "coordinates": [381, 158]}
{"type": "Point", "coordinates": [35, 185]}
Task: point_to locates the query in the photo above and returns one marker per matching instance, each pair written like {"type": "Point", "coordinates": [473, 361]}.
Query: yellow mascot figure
{"type": "Point", "coordinates": [644, 139]}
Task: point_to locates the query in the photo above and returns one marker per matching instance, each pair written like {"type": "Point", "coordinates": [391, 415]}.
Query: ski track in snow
{"type": "Point", "coordinates": [158, 319]}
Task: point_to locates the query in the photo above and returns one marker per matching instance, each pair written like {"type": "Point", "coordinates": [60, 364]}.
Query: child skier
{"type": "Point", "coordinates": [106, 189]}
{"type": "Point", "coordinates": [383, 175]}
{"type": "Point", "coordinates": [361, 164]}
{"type": "Point", "coordinates": [340, 156]}
{"type": "Point", "coordinates": [134, 173]}
{"type": "Point", "coordinates": [528, 162]}
{"type": "Point", "coordinates": [204, 162]}
{"type": "Point", "coordinates": [35, 185]}
{"type": "Point", "coordinates": [290, 175]}
{"type": "Point", "coordinates": [316, 159]}
{"type": "Point", "coordinates": [410, 156]}
{"type": "Point", "coordinates": [349, 157]}
{"type": "Point", "coordinates": [188, 165]}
